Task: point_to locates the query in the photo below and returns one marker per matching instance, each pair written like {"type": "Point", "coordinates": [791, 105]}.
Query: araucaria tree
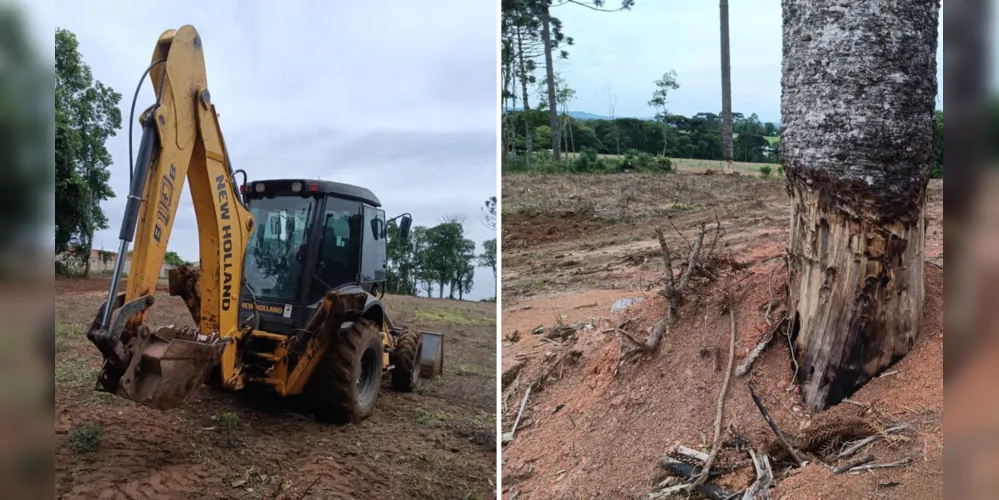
{"type": "Point", "coordinates": [858, 95]}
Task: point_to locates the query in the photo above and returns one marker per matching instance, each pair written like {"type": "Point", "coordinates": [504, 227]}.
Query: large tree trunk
{"type": "Point", "coordinates": [858, 94]}
{"type": "Point", "coordinates": [528, 131]}
{"type": "Point", "coordinates": [726, 84]}
{"type": "Point", "coordinates": [546, 35]}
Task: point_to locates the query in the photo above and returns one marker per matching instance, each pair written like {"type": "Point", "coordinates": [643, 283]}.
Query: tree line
{"type": "Point", "coordinates": [435, 258]}
{"type": "Point", "coordinates": [672, 136]}
{"type": "Point", "coordinates": [533, 39]}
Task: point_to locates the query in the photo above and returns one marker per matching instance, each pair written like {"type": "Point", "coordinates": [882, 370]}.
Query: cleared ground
{"type": "Point", "coordinates": [436, 443]}
{"type": "Point", "coordinates": [574, 244]}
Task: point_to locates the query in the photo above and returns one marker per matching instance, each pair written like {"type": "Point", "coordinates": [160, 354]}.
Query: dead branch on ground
{"type": "Point", "coordinates": [773, 426]}
{"type": "Point", "coordinates": [721, 398]}
{"type": "Point", "coordinates": [760, 489]}
{"type": "Point", "coordinates": [516, 422]}
{"type": "Point", "coordinates": [900, 463]}
{"type": "Point", "coordinates": [866, 460]}
{"type": "Point", "coordinates": [747, 364]}
{"type": "Point", "coordinates": [859, 445]}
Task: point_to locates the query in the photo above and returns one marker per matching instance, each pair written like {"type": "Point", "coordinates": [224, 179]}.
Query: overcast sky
{"type": "Point", "coordinates": [630, 50]}
{"type": "Point", "coordinates": [390, 95]}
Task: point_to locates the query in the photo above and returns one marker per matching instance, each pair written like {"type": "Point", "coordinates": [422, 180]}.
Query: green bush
{"type": "Point", "coordinates": [664, 164]}
{"type": "Point", "coordinates": [630, 160]}
{"type": "Point", "coordinates": [780, 171]}
{"type": "Point", "coordinates": [588, 162]}
{"type": "Point", "coordinates": [765, 171]}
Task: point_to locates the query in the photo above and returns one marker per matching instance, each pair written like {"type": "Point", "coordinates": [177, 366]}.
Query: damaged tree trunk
{"type": "Point", "coordinates": [857, 104]}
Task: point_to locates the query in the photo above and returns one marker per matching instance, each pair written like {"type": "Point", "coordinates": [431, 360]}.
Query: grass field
{"type": "Point", "coordinates": [696, 165]}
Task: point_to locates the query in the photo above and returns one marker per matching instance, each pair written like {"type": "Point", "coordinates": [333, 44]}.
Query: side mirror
{"type": "Point", "coordinates": [404, 227]}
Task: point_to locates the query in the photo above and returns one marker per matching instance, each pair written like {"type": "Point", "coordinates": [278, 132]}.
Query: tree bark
{"type": "Point", "coordinates": [528, 132]}
{"type": "Point", "coordinates": [726, 84]}
{"type": "Point", "coordinates": [546, 35]}
{"type": "Point", "coordinates": [858, 95]}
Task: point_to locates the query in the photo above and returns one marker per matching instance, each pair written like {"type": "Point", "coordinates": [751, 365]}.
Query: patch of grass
{"type": "Point", "coordinates": [485, 419]}
{"type": "Point", "coordinates": [677, 205]}
{"type": "Point", "coordinates": [85, 439]}
{"type": "Point", "coordinates": [75, 374]}
{"type": "Point", "coordinates": [65, 334]}
{"type": "Point", "coordinates": [226, 423]}
{"type": "Point", "coordinates": [765, 171]}
{"type": "Point", "coordinates": [106, 399]}
{"type": "Point", "coordinates": [448, 316]}
{"type": "Point", "coordinates": [469, 369]}
{"type": "Point", "coordinates": [426, 417]}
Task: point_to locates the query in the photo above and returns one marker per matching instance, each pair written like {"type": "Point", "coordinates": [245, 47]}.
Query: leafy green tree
{"type": "Point", "coordinates": [750, 147]}
{"type": "Point", "coordinates": [660, 98]}
{"type": "Point", "coordinates": [442, 255]}
{"type": "Point", "coordinates": [174, 260]}
{"type": "Point", "coordinates": [86, 116]}
{"type": "Point", "coordinates": [488, 256]}
{"type": "Point", "coordinates": [464, 270]}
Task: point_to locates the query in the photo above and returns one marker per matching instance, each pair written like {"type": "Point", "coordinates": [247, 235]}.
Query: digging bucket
{"type": "Point", "coordinates": [432, 354]}
{"type": "Point", "coordinates": [159, 369]}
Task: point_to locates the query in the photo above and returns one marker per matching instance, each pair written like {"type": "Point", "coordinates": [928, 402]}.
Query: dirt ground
{"type": "Point", "coordinates": [439, 442]}
{"type": "Point", "coordinates": [573, 245]}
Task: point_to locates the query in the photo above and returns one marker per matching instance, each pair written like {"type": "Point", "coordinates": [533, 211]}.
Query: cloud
{"type": "Point", "coordinates": [396, 96]}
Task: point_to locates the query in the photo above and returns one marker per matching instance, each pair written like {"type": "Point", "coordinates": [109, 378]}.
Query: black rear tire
{"type": "Point", "coordinates": [406, 374]}
{"type": "Point", "coordinates": [344, 385]}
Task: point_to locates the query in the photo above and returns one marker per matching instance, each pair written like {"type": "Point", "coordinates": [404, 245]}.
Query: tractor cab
{"type": "Point", "coordinates": [310, 237]}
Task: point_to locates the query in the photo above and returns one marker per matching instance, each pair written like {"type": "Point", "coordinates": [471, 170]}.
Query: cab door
{"type": "Point", "coordinates": [374, 256]}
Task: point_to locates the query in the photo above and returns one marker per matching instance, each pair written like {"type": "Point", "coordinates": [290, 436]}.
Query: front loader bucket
{"type": "Point", "coordinates": [168, 366]}
{"type": "Point", "coordinates": [432, 355]}
{"type": "Point", "coordinates": [160, 370]}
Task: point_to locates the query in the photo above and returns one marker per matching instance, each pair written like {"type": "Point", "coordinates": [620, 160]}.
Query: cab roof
{"type": "Point", "coordinates": [337, 189]}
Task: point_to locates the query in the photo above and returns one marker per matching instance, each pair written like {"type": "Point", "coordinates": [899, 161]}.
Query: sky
{"type": "Point", "coordinates": [384, 94]}
{"type": "Point", "coordinates": [629, 50]}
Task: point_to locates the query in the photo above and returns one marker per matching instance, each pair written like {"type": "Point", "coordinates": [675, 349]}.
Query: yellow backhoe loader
{"type": "Point", "coordinates": [292, 271]}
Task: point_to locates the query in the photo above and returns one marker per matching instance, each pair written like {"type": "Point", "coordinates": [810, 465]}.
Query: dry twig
{"type": "Point", "coordinates": [900, 463]}
{"type": "Point", "coordinates": [747, 364]}
{"type": "Point", "coordinates": [721, 399]}
{"type": "Point", "coordinates": [866, 460]}
{"type": "Point", "coordinates": [773, 426]}
{"type": "Point", "coordinates": [859, 445]}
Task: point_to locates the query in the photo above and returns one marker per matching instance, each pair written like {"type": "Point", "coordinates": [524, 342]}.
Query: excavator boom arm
{"type": "Point", "coordinates": [181, 140]}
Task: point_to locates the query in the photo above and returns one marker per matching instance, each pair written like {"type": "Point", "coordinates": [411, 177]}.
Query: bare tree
{"type": "Point", "coordinates": [454, 218]}
{"type": "Point", "coordinates": [543, 9]}
{"type": "Point", "coordinates": [726, 84]}
{"type": "Point", "coordinates": [857, 146]}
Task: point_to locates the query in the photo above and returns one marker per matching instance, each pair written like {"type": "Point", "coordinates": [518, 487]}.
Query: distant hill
{"type": "Point", "coordinates": [583, 115]}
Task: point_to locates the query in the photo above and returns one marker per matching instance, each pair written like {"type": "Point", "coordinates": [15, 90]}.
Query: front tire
{"type": "Point", "coordinates": [345, 383]}
{"type": "Point", "coordinates": [406, 374]}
